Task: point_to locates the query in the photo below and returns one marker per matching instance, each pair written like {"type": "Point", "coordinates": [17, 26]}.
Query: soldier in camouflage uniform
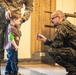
{"type": "Point", "coordinates": [12, 5]}
{"type": "Point", "coordinates": [3, 24]}
{"type": "Point", "coordinates": [63, 46]}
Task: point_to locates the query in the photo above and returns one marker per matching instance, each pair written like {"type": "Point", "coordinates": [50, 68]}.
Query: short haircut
{"type": "Point", "coordinates": [58, 12]}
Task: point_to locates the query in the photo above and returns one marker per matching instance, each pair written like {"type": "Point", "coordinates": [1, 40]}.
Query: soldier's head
{"type": "Point", "coordinates": [15, 19]}
{"type": "Point", "coordinates": [57, 17]}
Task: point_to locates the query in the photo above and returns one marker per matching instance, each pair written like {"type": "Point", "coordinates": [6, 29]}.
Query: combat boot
{"type": "Point", "coordinates": [71, 73]}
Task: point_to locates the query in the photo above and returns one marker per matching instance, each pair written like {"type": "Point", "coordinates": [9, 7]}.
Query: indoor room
{"type": "Point", "coordinates": [36, 37]}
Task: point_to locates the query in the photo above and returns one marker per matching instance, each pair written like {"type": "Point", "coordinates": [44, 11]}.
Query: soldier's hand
{"type": "Point", "coordinates": [40, 37]}
{"type": "Point", "coordinates": [8, 14]}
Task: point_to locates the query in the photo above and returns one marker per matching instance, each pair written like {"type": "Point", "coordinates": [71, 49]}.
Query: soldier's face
{"type": "Point", "coordinates": [55, 19]}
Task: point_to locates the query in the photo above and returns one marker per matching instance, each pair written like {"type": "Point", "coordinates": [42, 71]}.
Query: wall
{"type": "Point", "coordinates": [67, 6]}
{"type": "Point", "coordinates": [24, 47]}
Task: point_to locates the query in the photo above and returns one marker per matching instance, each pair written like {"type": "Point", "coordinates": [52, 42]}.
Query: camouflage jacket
{"type": "Point", "coordinates": [65, 36]}
{"type": "Point", "coordinates": [16, 6]}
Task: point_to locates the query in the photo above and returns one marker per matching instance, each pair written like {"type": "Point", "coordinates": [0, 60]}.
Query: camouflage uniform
{"type": "Point", "coordinates": [3, 24]}
{"type": "Point", "coordinates": [63, 47]}
{"type": "Point", "coordinates": [12, 6]}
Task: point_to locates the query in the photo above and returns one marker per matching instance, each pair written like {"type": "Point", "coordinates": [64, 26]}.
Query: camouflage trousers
{"type": "Point", "coordinates": [1, 45]}
{"type": "Point", "coordinates": [1, 54]}
{"type": "Point", "coordinates": [3, 25]}
{"type": "Point", "coordinates": [65, 57]}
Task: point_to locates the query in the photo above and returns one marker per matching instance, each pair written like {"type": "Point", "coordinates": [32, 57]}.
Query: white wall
{"type": "Point", "coordinates": [24, 46]}
{"type": "Point", "coordinates": [67, 6]}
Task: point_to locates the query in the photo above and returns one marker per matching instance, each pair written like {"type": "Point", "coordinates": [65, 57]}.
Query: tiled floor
{"type": "Point", "coordinates": [38, 69]}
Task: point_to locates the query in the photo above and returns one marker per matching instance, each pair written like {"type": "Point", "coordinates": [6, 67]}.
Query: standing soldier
{"type": "Point", "coordinates": [6, 8]}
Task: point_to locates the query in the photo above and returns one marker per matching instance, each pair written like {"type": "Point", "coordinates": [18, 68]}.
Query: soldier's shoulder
{"type": "Point", "coordinates": [65, 22]}
{"type": "Point", "coordinates": [28, 2]}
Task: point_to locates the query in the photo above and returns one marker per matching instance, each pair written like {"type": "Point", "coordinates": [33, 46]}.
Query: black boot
{"type": "Point", "coordinates": [71, 73]}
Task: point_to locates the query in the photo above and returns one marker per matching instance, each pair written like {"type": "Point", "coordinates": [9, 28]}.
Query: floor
{"type": "Point", "coordinates": [38, 69]}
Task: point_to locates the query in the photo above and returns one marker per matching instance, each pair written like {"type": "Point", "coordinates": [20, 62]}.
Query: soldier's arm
{"type": "Point", "coordinates": [3, 4]}
{"type": "Point", "coordinates": [28, 9]}
{"type": "Point", "coordinates": [60, 35]}
{"type": "Point", "coordinates": [58, 41]}
{"type": "Point", "coordinates": [48, 42]}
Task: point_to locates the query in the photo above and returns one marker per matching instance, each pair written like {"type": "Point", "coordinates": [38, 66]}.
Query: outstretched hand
{"type": "Point", "coordinates": [40, 37]}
